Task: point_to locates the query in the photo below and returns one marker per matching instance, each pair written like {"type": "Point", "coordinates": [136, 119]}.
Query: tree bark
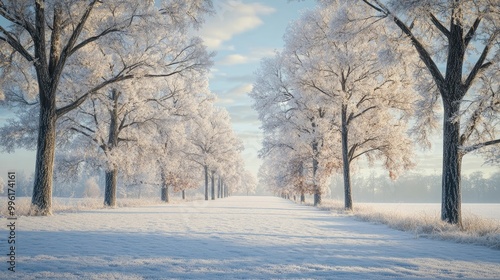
{"type": "Point", "coordinates": [110, 190]}
{"type": "Point", "coordinates": [346, 161]}
{"type": "Point", "coordinates": [183, 194]}
{"type": "Point", "coordinates": [164, 193]}
{"type": "Point", "coordinates": [222, 188]}
{"type": "Point", "coordinates": [451, 211]}
{"type": "Point", "coordinates": [213, 185]}
{"type": "Point", "coordinates": [164, 185]}
{"type": "Point", "coordinates": [218, 187]}
{"type": "Point", "coordinates": [302, 197]}
{"type": "Point", "coordinates": [41, 200]}
{"type": "Point", "coordinates": [317, 188]}
{"type": "Point", "coordinates": [206, 181]}
{"type": "Point", "coordinates": [112, 174]}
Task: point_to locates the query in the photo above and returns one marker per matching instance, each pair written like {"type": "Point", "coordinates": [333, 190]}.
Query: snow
{"type": "Point", "coordinates": [483, 210]}
{"type": "Point", "coordinates": [233, 238]}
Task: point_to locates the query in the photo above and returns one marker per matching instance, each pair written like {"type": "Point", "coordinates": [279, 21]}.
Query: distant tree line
{"type": "Point", "coordinates": [419, 188]}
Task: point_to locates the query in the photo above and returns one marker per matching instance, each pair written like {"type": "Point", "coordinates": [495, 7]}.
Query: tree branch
{"type": "Point", "coordinates": [17, 20]}
{"type": "Point", "coordinates": [439, 26]}
{"type": "Point", "coordinates": [14, 43]}
{"type": "Point", "coordinates": [471, 32]}
{"type": "Point", "coordinates": [374, 7]}
{"type": "Point", "coordinates": [67, 50]}
{"type": "Point", "coordinates": [92, 39]}
{"type": "Point", "coordinates": [81, 99]}
{"type": "Point", "coordinates": [365, 152]}
{"type": "Point", "coordinates": [472, 148]}
{"type": "Point", "coordinates": [423, 53]}
{"type": "Point", "coordinates": [480, 65]}
{"type": "Point", "coordinates": [352, 117]}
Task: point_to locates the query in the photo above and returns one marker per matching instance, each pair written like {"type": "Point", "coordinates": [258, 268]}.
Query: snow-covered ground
{"type": "Point", "coordinates": [233, 238]}
{"type": "Point", "coordinates": [483, 210]}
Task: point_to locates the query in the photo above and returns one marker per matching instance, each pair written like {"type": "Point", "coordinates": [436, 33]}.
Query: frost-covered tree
{"type": "Point", "coordinates": [295, 124]}
{"type": "Point", "coordinates": [121, 119]}
{"type": "Point", "coordinates": [45, 42]}
{"type": "Point", "coordinates": [91, 188]}
{"type": "Point", "coordinates": [234, 172]}
{"type": "Point", "coordinates": [457, 42]}
{"type": "Point", "coordinates": [169, 138]}
{"type": "Point", "coordinates": [327, 88]}
{"type": "Point", "coordinates": [214, 146]}
{"type": "Point", "coordinates": [361, 79]}
{"type": "Point", "coordinates": [249, 183]}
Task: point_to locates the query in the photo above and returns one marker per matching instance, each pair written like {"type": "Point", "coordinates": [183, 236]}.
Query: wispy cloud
{"type": "Point", "coordinates": [232, 95]}
{"type": "Point", "coordinates": [254, 56]}
{"type": "Point", "coordinates": [233, 59]}
{"type": "Point", "coordinates": [241, 89]}
{"type": "Point", "coordinates": [234, 17]}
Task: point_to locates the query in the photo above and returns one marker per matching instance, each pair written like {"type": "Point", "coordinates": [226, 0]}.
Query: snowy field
{"type": "Point", "coordinates": [483, 210]}
{"type": "Point", "coordinates": [233, 238]}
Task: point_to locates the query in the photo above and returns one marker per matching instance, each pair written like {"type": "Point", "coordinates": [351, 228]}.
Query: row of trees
{"type": "Point", "coordinates": [354, 75]}
{"type": "Point", "coordinates": [119, 86]}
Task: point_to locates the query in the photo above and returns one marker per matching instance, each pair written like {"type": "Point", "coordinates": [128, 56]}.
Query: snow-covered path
{"type": "Point", "coordinates": [233, 238]}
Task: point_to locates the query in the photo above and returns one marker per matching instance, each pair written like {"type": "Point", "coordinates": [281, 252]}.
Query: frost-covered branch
{"type": "Point", "coordinates": [477, 146]}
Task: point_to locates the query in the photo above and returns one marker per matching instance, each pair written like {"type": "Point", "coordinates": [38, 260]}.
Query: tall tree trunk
{"type": "Point", "coordinates": [183, 194]}
{"type": "Point", "coordinates": [345, 161]}
{"type": "Point", "coordinates": [213, 185]}
{"type": "Point", "coordinates": [206, 181]}
{"type": "Point", "coordinates": [41, 200]}
{"type": "Point", "coordinates": [317, 188]}
{"type": "Point", "coordinates": [110, 190]}
{"type": "Point", "coordinates": [164, 193]}
{"type": "Point", "coordinates": [222, 188]}
{"type": "Point", "coordinates": [218, 187]}
{"type": "Point", "coordinates": [452, 93]}
{"type": "Point", "coordinates": [111, 175]}
{"type": "Point", "coordinates": [164, 185]}
{"type": "Point", "coordinates": [301, 172]}
{"type": "Point", "coordinates": [452, 164]}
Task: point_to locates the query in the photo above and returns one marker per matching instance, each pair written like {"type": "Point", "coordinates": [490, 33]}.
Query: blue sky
{"type": "Point", "coordinates": [242, 33]}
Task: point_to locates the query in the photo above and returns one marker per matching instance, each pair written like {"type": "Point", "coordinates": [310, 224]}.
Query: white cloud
{"type": "Point", "coordinates": [233, 59]}
{"type": "Point", "coordinates": [233, 17]}
{"type": "Point", "coordinates": [234, 94]}
{"type": "Point", "coordinates": [255, 55]}
{"type": "Point", "coordinates": [242, 89]}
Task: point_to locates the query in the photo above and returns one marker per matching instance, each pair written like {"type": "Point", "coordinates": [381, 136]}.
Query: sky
{"type": "Point", "coordinates": [242, 32]}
